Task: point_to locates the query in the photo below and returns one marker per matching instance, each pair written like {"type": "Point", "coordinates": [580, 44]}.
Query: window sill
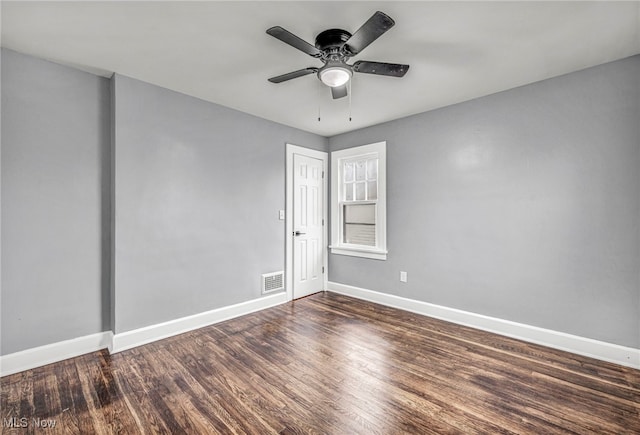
{"type": "Point", "coordinates": [376, 254]}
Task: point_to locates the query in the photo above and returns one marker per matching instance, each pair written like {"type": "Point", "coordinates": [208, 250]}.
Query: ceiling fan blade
{"type": "Point", "coordinates": [369, 32]}
{"type": "Point", "coordinates": [294, 41]}
{"type": "Point", "coordinates": [339, 92]}
{"type": "Point", "coordinates": [380, 68]}
{"type": "Point", "coordinates": [293, 75]}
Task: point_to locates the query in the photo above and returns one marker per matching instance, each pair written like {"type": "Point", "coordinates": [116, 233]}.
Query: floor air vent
{"type": "Point", "coordinates": [272, 282]}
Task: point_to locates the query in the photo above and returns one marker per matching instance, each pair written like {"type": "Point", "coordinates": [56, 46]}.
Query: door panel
{"type": "Point", "coordinates": [308, 211]}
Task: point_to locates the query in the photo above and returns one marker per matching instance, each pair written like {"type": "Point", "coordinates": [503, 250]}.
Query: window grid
{"type": "Point", "coordinates": [358, 207]}
{"type": "Point", "coordinates": [360, 180]}
{"type": "Point", "coordinates": [359, 189]}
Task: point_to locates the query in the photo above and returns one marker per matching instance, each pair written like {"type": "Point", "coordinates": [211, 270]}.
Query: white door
{"type": "Point", "coordinates": [308, 231]}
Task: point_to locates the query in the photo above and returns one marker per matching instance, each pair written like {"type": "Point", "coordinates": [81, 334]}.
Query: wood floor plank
{"type": "Point", "coordinates": [315, 352]}
{"type": "Point", "coordinates": [588, 367]}
{"type": "Point", "coordinates": [307, 382]}
{"type": "Point", "coordinates": [549, 409]}
{"type": "Point", "coordinates": [265, 374]}
{"type": "Point", "coordinates": [215, 370]}
{"type": "Point", "coordinates": [96, 393]}
{"type": "Point", "coordinates": [74, 415]}
{"type": "Point", "coordinates": [164, 394]}
{"type": "Point", "coordinates": [609, 375]}
{"type": "Point", "coordinates": [437, 396]}
{"type": "Point", "coordinates": [297, 377]}
{"type": "Point", "coordinates": [331, 364]}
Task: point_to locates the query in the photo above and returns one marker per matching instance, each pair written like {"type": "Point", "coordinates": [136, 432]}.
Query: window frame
{"type": "Point", "coordinates": [379, 251]}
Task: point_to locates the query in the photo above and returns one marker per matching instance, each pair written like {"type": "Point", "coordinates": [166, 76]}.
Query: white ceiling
{"type": "Point", "coordinates": [219, 51]}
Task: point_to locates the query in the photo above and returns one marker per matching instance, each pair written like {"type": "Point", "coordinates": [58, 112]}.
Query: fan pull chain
{"type": "Point", "coordinates": [318, 98]}
{"type": "Point", "coordinates": [350, 92]}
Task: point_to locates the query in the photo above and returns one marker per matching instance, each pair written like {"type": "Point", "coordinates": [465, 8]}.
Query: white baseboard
{"type": "Point", "coordinates": [50, 353]}
{"type": "Point", "coordinates": [148, 334]}
{"type": "Point", "coordinates": [626, 356]}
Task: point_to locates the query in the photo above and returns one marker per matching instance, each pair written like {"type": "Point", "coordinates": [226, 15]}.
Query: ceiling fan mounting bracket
{"type": "Point", "coordinates": [331, 42]}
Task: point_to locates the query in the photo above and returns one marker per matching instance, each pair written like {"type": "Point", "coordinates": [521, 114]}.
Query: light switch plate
{"type": "Point", "coordinates": [403, 276]}
{"type": "Point", "coordinates": [281, 214]}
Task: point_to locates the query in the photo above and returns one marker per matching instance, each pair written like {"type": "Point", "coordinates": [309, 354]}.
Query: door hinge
{"type": "Point", "coordinates": [322, 269]}
{"type": "Point", "coordinates": [322, 174]}
{"type": "Point", "coordinates": [323, 222]}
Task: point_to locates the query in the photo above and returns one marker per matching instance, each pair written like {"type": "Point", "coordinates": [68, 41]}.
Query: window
{"type": "Point", "coordinates": [358, 201]}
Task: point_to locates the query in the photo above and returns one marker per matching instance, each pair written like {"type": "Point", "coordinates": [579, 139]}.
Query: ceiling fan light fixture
{"type": "Point", "coordinates": [334, 48]}
{"type": "Point", "coordinates": [334, 76]}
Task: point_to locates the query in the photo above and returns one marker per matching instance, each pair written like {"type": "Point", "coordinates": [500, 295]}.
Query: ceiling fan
{"type": "Point", "coordinates": [334, 47]}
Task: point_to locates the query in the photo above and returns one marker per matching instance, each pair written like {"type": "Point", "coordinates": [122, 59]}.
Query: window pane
{"type": "Point", "coordinates": [360, 234]}
{"type": "Point", "coordinates": [348, 172]}
{"type": "Point", "coordinates": [360, 213]}
{"type": "Point", "coordinates": [360, 191]}
{"type": "Point", "coordinates": [360, 170]}
{"type": "Point", "coordinates": [372, 190]}
{"type": "Point", "coordinates": [372, 169]}
{"type": "Point", "coordinates": [348, 192]}
{"type": "Point", "coordinates": [359, 226]}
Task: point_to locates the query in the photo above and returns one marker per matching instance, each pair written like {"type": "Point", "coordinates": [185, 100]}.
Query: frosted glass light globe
{"type": "Point", "coordinates": [335, 76]}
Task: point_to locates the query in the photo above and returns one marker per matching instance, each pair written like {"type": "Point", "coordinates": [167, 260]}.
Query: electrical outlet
{"type": "Point", "coordinates": [403, 276]}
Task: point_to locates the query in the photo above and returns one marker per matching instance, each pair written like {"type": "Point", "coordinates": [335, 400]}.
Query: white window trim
{"type": "Point", "coordinates": [378, 252]}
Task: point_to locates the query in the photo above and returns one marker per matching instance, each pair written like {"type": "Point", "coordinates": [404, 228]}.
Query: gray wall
{"type": "Point", "coordinates": [189, 189]}
{"type": "Point", "coordinates": [197, 192]}
{"type": "Point", "coordinates": [55, 131]}
{"type": "Point", "coordinates": [523, 205]}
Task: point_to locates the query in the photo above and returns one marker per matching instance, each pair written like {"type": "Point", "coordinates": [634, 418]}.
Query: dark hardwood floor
{"type": "Point", "coordinates": [327, 364]}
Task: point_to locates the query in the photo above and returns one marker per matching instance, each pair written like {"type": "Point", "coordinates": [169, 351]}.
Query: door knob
{"type": "Point", "coordinates": [298, 233]}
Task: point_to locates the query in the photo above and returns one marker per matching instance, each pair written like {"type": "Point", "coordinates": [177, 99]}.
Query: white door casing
{"type": "Point", "coordinates": [307, 226]}
{"type": "Point", "coordinates": [306, 218]}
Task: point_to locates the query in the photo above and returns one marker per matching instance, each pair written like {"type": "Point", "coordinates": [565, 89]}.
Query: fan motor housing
{"type": "Point", "coordinates": [332, 38]}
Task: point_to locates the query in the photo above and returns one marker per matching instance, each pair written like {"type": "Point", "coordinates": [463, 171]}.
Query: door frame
{"type": "Point", "coordinates": [320, 155]}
